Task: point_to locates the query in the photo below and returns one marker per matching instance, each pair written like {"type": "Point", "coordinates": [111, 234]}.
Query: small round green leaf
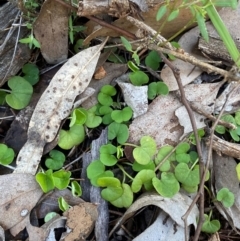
{"type": "Point", "coordinates": [137, 167]}
{"type": "Point", "coordinates": [144, 153]}
{"type": "Point", "coordinates": [61, 179]}
{"type": "Point", "coordinates": [93, 120]}
{"type": "Point", "coordinates": [141, 178]}
{"type": "Point", "coordinates": [120, 116]}
{"type": "Point", "coordinates": [126, 199]}
{"type": "Point", "coordinates": [108, 90]}
{"type": "Point", "coordinates": [113, 188]}
{"type": "Point", "coordinates": [45, 180]}
{"type": "Point", "coordinates": [119, 131]}
{"type": "Point", "coordinates": [6, 154]}
{"type": "Point", "coordinates": [162, 153]}
{"type": "Point", "coordinates": [56, 160]}
{"type": "Point", "coordinates": [31, 72]}
{"type": "Point", "coordinates": [210, 226]}
{"type": "Point", "coordinates": [21, 92]}
{"type": "Point", "coordinates": [74, 136]}
{"type": "Point", "coordinates": [168, 186]}
{"type": "Point", "coordinates": [106, 155]}
{"type": "Point", "coordinates": [138, 78]}
{"type": "Point", "coordinates": [187, 176]}
{"type": "Point", "coordinates": [226, 197]}
{"type": "Point", "coordinates": [152, 60]}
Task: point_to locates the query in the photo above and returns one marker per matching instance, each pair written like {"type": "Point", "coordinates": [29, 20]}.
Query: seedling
{"type": "Point", "coordinates": [118, 131]}
{"type": "Point", "coordinates": [167, 186]}
{"type": "Point", "coordinates": [235, 133]}
{"type": "Point", "coordinates": [72, 137]}
{"type": "Point", "coordinates": [157, 88]}
{"type": "Point", "coordinates": [153, 60]}
{"type": "Point", "coordinates": [21, 88]}
{"type": "Point", "coordinates": [226, 197]}
{"type": "Point", "coordinates": [31, 41]}
{"type": "Point", "coordinates": [144, 153]}
{"type": "Point", "coordinates": [56, 160]}
{"type": "Point", "coordinates": [76, 189]}
{"type": "Point", "coordinates": [210, 226]}
{"type": "Point", "coordinates": [73, 30]}
{"type": "Point", "coordinates": [63, 205]}
{"type": "Point", "coordinates": [107, 155]}
{"type": "Point", "coordinates": [48, 180]}
{"type": "Point", "coordinates": [20, 93]}
{"type": "Point", "coordinates": [6, 155]}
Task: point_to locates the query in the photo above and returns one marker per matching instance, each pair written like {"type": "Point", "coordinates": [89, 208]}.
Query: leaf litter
{"type": "Point", "coordinates": [71, 80]}
{"type": "Point", "coordinates": [44, 131]}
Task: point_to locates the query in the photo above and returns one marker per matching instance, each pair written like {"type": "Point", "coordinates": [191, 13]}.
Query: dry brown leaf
{"type": "Point", "coordinates": [19, 194]}
{"type": "Point", "coordinates": [51, 30]}
{"type": "Point", "coordinates": [94, 30]}
{"type": "Point", "coordinates": [80, 221]}
{"type": "Point", "coordinates": [161, 122]}
{"type": "Point", "coordinates": [55, 105]}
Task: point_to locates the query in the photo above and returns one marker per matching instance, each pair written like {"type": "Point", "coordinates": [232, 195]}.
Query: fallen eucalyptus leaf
{"type": "Point", "coordinates": [55, 105]}
{"type": "Point", "coordinates": [19, 194]}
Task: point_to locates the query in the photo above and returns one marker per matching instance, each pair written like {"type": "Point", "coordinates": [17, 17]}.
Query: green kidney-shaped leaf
{"type": "Point", "coordinates": [93, 120]}
{"type": "Point", "coordinates": [144, 153]}
{"type": "Point", "coordinates": [138, 78]}
{"type": "Point", "coordinates": [119, 131]}
{"type": "Point", "coordinates": [61, 179]}
{"type": "Point", "coordinates": [187, 176]}
{"type": "Point", "coordinates": [157, 88]}
{"type": "Point", "coordinates": [126, 199]}
{"type": "Point", "coordinates": [138, 167]}
{"type": "Point", "coordinates": [6, 154]}
{"type": "Point", "coordinates": [108, 90]}
{"type": "Point", "coordinates": [78, 116]}
{"type": "Point", "coordinates": [56, 161]}
{"type": "Point", "coordinates": [168, 186]}
{"type": "Point", "coordinates": [74, 136]}
{"type": "Point", "coordinates": [113, 188]}
{"type": "Point", "coordinates": [210, 226]}
{"type": "Point", "coordinates": [31, 72]}
{"type": "Point", "coordinates": [120, 116]}
{"type": "Point", "coordinates": [45, 180]}
{"type": "Point", "coordinates": [226, 197]}
{"type": "Point", "coordinates": [162, 154]}
{"type": "Point", "coordinates": [141, 178]}
{"type": "Point", "coordinates": [21, 92]}
{"type": "Point", "coordinates": [107, 155]}
{"type": "Point", "coordinates": [94, 169]}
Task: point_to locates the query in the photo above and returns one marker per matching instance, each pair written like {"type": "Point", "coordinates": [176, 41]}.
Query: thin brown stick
{"type": "Point", "coordinates": [176, 73]}
{"type": "Point", "coordinates": [211, 117]}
